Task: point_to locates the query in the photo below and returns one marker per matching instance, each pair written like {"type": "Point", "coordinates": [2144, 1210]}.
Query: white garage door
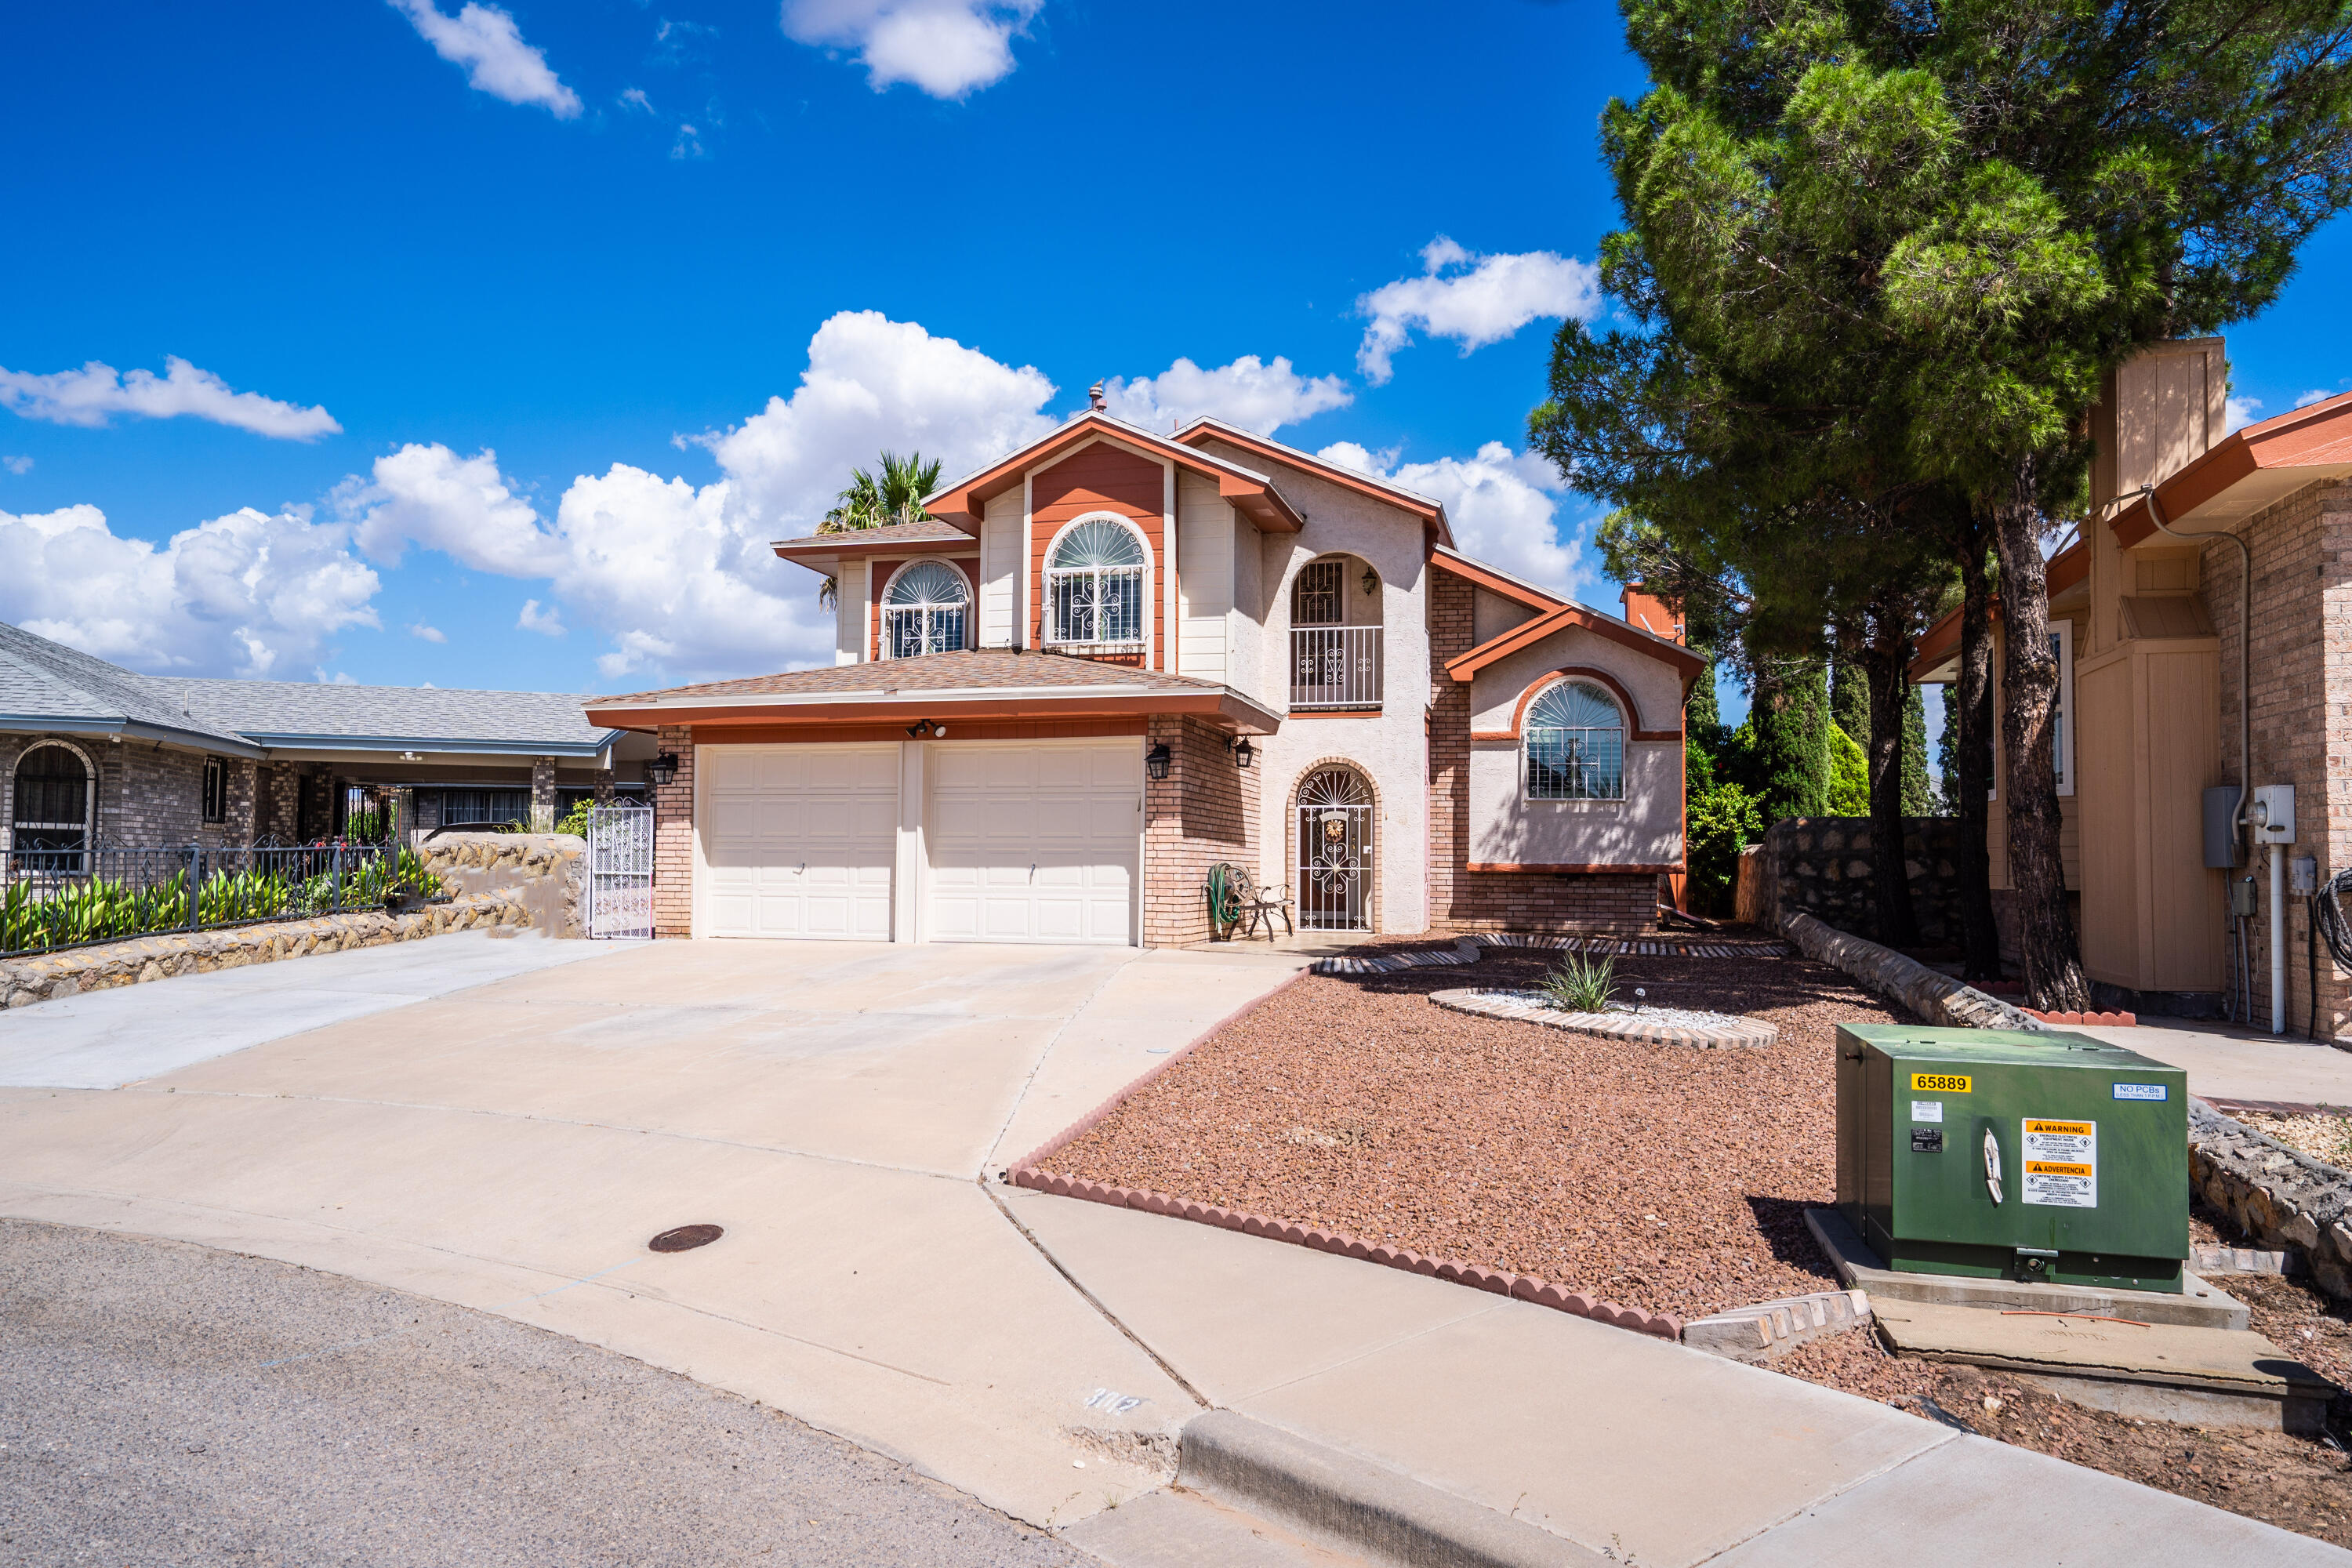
{"type": "Point", "coordinates": [1034, 842]}
{"type": "Point", "coordinates": [797, 841]}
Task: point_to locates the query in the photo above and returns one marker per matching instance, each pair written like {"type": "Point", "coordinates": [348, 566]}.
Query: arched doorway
{"type": "Point", "coordinates": [50, 825]}
{"type": "Point", "coordinates": [1333, 839]}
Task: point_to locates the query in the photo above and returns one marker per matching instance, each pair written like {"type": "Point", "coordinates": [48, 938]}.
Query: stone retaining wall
{"type": "Point", "coordinates": [51, 976]}
{"type": "Point", "coordinates": [1821, 866]}
{"type": "Point", "coordinates": [1938, 998]}
{"type": "Point", "coordinates": [2278, 1193]}
{"type": "Point", "coordinates": [548, 869]}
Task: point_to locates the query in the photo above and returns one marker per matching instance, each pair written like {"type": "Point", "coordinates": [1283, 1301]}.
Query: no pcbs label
{"type": "Point", "coordinates": [2061, 1164]}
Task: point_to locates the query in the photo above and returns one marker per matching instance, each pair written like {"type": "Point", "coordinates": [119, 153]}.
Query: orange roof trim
{"type": "Point", "coordinates": [1253, 495]}
{"type": "Point", "coordinates": [1432, 513]}
{"type": "Point", "coordinates": [1527, 633]}
{"type": "Point", "coordinates": [2248, 469]}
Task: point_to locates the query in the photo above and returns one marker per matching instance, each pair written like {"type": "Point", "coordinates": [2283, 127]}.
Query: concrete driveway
{"type": "Point", "coordinates": [510, 1146]}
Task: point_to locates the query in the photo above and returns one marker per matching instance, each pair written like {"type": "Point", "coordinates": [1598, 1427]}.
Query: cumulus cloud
{"type": "Point", "coordinates": [95, 394]}
{"type": "Point", "coordinates": [947, 48]}
{"type": "Point", "coordinates": [635, 98]}
{"type": "Point", "coordinates": [2244, 411]}
{"type": "Point", "coordinates": [462, 507]}
{"type": "Point", "coordinates": [545, 620]}
{"type": "Point", "coordinates": [2317, 395]}
{"type": "Point", "coordinates": [248, 594]}
{"type": "Point", "coordinates": [1473, 300]}
{"type": "Point", "coordinates": [1504, 506]}
{"type": "Point", "coordinates": [1249, 393]}
{"type": "Point", "coordinates": [15, 465]}
{"type": "Point", "coordinates": [423, 633]}
{"type": "Point", "coordinates": [485, 40]}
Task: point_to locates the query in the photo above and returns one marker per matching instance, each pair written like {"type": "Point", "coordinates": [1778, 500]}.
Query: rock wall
{"type": "Point", "coordinates": [1820, 865]}
{"type": "Point", "coordinates": [2285, 1197]}
{"type": "Point", "coordinates": [548, 870]}
{"type": "Point", "coordinates": [51, 976]}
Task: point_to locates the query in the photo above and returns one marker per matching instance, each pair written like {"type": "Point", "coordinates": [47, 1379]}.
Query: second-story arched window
{"type": "Point", "coordinates": [1094, 585]}
{"type": "Point", "coordinates": [1575, 744]}
{"type": "Point", "coordinates": [923, 610]}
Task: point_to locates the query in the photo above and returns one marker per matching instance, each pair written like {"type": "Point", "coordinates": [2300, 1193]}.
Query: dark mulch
{"type": "Point", "coordinates": [1670, 1179]}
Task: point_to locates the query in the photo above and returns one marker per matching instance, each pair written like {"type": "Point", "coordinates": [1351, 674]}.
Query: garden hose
{"type": "Point", "coordinates": [2327, 915]}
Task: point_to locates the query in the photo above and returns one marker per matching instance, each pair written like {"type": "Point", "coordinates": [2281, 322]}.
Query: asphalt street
{"type": "Point", "coordinates": [162, 1403]}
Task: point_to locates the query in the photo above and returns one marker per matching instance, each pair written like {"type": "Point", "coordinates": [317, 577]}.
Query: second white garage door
{"type": "Point", "coordinates": [1034, 842]}
{"type": "Point", "coordinates": [798, 841]}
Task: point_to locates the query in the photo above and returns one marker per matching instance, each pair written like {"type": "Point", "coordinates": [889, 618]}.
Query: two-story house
{"type": "Point", "coordinates": [1117, 658]}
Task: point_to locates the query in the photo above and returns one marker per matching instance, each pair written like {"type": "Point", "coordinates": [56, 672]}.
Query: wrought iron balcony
{"type": "Point", "coordinates": [1334, 666]}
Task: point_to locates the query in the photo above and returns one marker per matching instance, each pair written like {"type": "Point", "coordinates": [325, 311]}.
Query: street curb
{"type": "Point", "coordinates": [1336, 1494]}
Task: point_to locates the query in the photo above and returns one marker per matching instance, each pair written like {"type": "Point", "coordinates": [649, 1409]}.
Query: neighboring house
{"type": "Point", "coordinates": [96, 756]}
{"type": "Point", "coordinates": [1118, 658]}
{"type": "Point", "coordinates": [2147, 629]}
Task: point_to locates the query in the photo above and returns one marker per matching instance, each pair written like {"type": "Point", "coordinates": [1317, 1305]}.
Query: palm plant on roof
{"type": "Point", "coordinates": [870, 502]}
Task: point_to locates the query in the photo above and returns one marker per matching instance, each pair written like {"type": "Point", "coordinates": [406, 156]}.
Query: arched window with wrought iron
{"type": "Point", "coordinates": [1094, 584]}
{"type": "Point", "coordinates": [923, 610]}
{"type": "Point", "coordinates": [50, 824]}
{"type": "Point", "coordinates": [1575, 744]}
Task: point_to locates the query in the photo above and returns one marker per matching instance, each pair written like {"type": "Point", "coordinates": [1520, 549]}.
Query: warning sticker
{"type": "Point", "coordinates": [2061, 1164]}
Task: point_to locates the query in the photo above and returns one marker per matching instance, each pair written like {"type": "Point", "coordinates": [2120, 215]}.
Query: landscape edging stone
{"type": "Point", "coordinates": [2280, 1195]}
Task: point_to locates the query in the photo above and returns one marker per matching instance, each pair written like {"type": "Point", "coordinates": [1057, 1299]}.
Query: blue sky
{"type": "Point", "coordinates": [522, 329]}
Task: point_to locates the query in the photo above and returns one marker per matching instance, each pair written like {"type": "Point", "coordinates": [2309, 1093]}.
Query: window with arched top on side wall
{"type": "Point", "coordinates": [1097, 593]}
{"type": "Point", "coordinates": [926, 608]}
{"type": "Point", "coordinates": [52, 798]}
{"type": "Point", "coordinates": [1573, 745]}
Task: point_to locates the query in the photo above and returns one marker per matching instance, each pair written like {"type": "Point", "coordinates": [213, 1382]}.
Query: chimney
{"type": "Point", "coordinates": [2157, 413]}
{"type": "Point", "coordinates": [1652, 613]}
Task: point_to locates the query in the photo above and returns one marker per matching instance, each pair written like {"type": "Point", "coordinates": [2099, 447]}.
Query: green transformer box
{"type": "Point", "coordinates": [2010, 1156]}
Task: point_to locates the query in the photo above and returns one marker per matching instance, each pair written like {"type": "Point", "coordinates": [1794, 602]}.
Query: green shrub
{"type": "Point", "coordinates": [1582, 984]}
{"type": "Point", "coordinates": [1723, 821]}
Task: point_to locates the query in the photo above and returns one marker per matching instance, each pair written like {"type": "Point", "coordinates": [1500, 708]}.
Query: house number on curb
{"type": "Point", "coordinates": [1115, 1403]}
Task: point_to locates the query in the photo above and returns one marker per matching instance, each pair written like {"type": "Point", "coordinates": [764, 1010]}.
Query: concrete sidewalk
{"type": "Point", "coordinates": [2226, 1062]}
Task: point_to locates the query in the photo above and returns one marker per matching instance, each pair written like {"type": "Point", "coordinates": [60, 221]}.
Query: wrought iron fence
{"type": "Point", "coordinates": [52, 898]}
{"type": "Point", "coordinates": [1334, 666]}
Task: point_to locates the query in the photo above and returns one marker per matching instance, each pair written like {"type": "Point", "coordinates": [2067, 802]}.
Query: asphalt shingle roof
{"type": "Point", "coordinates": [924, 530]}
{"type": "Point", "coordinates": [976, 668]}
{"type": "Point", "coordinates": [43, 679]}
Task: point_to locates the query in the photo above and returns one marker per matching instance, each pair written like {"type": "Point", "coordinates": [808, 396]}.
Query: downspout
{"type": "Point", "coordinates": [2245, 729]}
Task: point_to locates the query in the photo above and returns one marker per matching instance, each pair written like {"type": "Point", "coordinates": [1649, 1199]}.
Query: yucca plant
{"type": "Point", "coordinates": [1581, 983]}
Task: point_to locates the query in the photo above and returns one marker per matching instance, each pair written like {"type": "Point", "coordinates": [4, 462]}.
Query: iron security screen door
{"type": "Point", "coordinates": [620, 871]}
{"type": "Point", "coordinates": [1335, 851]}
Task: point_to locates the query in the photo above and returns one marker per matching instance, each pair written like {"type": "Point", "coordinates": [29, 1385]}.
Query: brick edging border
{"type": "Point", "coordinates": [1628, 1027]}
{"type": "Point", "coordinates": [1028, 1172]}
{"type": "Point", "coordinates": [2098, 1020]}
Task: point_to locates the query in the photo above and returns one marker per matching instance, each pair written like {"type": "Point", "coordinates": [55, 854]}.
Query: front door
{"type": "Point", "coordinates": [1335, 851]}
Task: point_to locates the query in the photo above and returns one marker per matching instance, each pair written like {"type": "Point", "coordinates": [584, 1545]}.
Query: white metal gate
{"type": "Point", "coordinates": [620, 871]}
{"type": "Point", "coordinates": [1335, 851]}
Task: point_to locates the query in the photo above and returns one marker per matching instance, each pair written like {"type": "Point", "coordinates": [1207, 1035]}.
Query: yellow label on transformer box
{"type": "Point", "coordinates": [2062, 1162]}
{"type": "Point", "coordinates": [1941, 1083]}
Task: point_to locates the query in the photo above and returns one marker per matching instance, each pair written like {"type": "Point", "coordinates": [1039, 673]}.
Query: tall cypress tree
{"type": "Point", "coordinates": [1918, 790]}
{"type": "Point", "coordinates": [1850, 700]}
{"type": "Point", "coordinates": [1791, 716]}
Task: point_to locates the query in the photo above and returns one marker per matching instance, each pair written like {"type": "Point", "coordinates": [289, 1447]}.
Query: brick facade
{"type": "Point", "coordinates": [148, 796]}
{"type": "Point", "coordinates": [2302, 698]}
{"type": "Point", "coordinates": [1462, 899]}
{"type": "Point", "coordinates": [542, 793]}
{"type": "Point", "coordinates": [673, 837]}
{"type": "Point", "coordinates": [278, 810]}
{"type": "Point", "coordinates": [1204, 811]}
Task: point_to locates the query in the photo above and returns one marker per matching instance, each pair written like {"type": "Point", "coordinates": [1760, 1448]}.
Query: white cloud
{"type": "Point", "coordinates": [1473, 300]}
{"type": "Point", "coordinates": [340, 677]}
{"type": "Point", "coordinates": [94, 394]}
{"type": "Point", "coordinates": [486, 41]}
{"type": "Point", "coordinates": [947, 48]}
{"type": "Point", "coordinates": [423, 633]}
{"type": "Point", "coordinates": [635, 98]}
{"type": "Point", "coordinates": [460, 506]}
{"type": "Point", "coordinates": [2317, 395]}
{"type": "Point", "coordinates": [688, 145]}
{"type": "Point", "coordinates": [2244, 411]}
{"type": "Point", "coordinates": [546, 622]}
{"type": "Point", "coordinates": [14, 465]}
{"type": "Point", "coordinates": [1504, 506]}
{"type": "Point", "coordinates": [1248, 392]}
{"type": "Point", "coordinates": [247, 594]}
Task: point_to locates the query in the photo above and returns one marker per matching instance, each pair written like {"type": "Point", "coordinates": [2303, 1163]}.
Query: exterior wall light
{"type": "Point", "coordinates": [1372, 580]}
{"type": "Point", "coordinates": [1243, 753]}
{"type": "Point", "coordinates": [922, 727]}
{"type": "Point", "coordinates": [661, 770]}
{"type": "Point", "coordinates": [1155, 762]}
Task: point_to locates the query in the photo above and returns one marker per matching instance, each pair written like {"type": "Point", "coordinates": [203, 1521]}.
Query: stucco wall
{"type": "Point", "coordinates": [1644, 830]}
{"type": "Point", "coordinates": [1390, 747]}
{"type": "Point", "coordinates": [1492, 615]}
{"type": "Point", "coordinates": [1655, 686]}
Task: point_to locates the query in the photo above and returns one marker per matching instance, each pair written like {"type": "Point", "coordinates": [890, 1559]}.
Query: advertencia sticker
{"type": "Point", "coordinates": [2062, 1162]}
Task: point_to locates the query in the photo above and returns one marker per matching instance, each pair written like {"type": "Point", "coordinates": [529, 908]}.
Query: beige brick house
{"type": "Point", "coordinates": [1117, 657]}
{"type": "Point", "coordinates": [2148, 631]}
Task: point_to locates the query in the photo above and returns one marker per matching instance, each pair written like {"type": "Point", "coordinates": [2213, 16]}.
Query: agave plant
{"type": "Point", "coordinates": [1581, 983]}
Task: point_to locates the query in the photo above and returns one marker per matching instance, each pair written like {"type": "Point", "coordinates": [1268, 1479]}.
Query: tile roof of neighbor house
{"type": "Point", "coordinates": [924, 531]}
{"type": "Point", "coordinates": [988, 669]}
{"type": "Point", "coordinates": [46, 684]}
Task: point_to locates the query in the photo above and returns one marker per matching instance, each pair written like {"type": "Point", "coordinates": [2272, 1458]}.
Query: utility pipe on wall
{"type": "Point", "coordinates": [2278, 939]}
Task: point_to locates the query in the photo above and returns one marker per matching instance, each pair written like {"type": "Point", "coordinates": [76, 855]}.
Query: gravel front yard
{"type": "Point", "coordinates": [1663, 1177]}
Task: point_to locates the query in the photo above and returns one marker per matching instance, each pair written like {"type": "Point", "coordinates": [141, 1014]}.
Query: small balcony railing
{"type": "Point", "coordinates": [1334, 666]}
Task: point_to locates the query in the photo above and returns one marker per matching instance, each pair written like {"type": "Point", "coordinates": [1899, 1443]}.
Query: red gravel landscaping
{"type": "Point", "coordinates": [1666, 1178]}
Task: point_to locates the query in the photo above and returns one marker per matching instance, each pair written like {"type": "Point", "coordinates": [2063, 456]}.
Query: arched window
{"type": "Point", "coordinates": [1094, 585]}
{"type": "Point", "coordinates": [923, 610]}
{"type": "Point", "coordinates": [51, 815]}
{"type": "Point", "coordinates": [1575, 744]}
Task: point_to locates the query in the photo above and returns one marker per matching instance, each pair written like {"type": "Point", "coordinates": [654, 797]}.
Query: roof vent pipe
{"type": "Point", "coordinates": [2246, 645]}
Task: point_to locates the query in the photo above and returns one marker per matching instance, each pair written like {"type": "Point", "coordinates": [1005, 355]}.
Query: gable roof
{"type": "Point", "coordinates": [1494, 579]}
{"type": "Point", "coordinates": [1431, 512]}
{"type": "Point", "coordinates": [1251, 493]}
{"type": "Point", "coordinates": [45, 685]}
{"type": "Point", "coordinates": [1527, 633]}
